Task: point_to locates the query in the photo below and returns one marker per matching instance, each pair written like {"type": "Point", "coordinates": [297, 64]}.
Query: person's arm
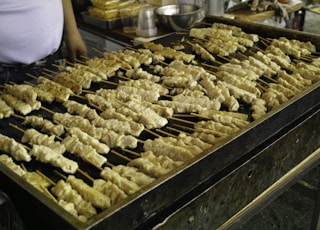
{"type": "Point", "coordinates": [73, 39]}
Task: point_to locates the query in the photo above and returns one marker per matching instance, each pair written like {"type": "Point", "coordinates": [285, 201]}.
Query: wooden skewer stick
{"type": "Point", "coordinates": [120, 155]}
{"type": "Point", "coordinates": [29, 83]}
{"type": "Point", "coordinates": [165, 133]}
{"type": "Point", "coordinates": [48, 75]}
{"type": "Point", "coordinates": [48, 110]}
{"type": "Point", "coordinates": [208, 65]}
{"type": "Point", "coordinates": [184, 121]}
{"type": "Point", "coordinates": [24, 167]}
{"type": "Point", "coordinates": [70, 63]}
{"type": "Point", "coordinates": [85, 174]}
{"type": "Point", "coordinates": [186, 33]}
{"type": "Point", "coordinates": [180, 129]}
{"type": "Point", "coordinates": [110, 82]}
{"type": "Point", "coordinates": [32, 76]}
{"type": "Point", "coordinates": [224, 58]}
{"type": "Point", "coordinates": [132, 152]}
{"type": "Point", "coordinates": [84, 57]}
{"type": "Point", "coordinates": [261, 88]}
{"type": "Point", "coordinates": [175, 130]}
{"type": "Point", "coordinates": [183, 127]}
{"type": "Point", "coordinates": [79, 96]}
{"type": "Point", "coordinates": [109, 164]}
{"type": "Point", "coordinates": [215, 133]}
{"type": "Point", "coordinates": [151, 132]}
{"type": "Point", "coordinates": [49, 71]}
{"type": "Point", "coordinates": [262, 81]}
{"type": "Point", "coordinates": [98, 51]}
{"type": "Point", "coordinates": [46, 192]}
{"type": "Point", "coordinates": [93, 164]}
{"type": "Point", "coordinates": [258, 48]}
{"type": "Point", "coordinates": [81, 62]}
{"type": "Point", "coordinates": [57, 66]}
{"type": "Point", "coordinates": [264, 42]}
{"type": "Point", "coordinates": [87, 91]}
{"type": "Point", "coordinates": [16, 127]}
{"type": "Point", "coordinates": [242, 55]}
{"type": "Point", "coordinates": [183, 115]}
{"type": "Point", "coordinates": [140, 141]}
{"type": "Point", "coordinates": [125, 78]}
{"type": "Point", "coordinates": [271, 79]}
{"type": "Point", "coordinates": [60, 174]}
{"type": "Point", "coordinates": [18, 116]}
{"type": "Point", "coordinates": [45, 177]}
{"type": "Point", "coordinates": [201, 116]}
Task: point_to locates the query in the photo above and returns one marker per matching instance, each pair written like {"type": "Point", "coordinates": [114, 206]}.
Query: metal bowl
{"type": "Point", "coordinates": [179, 17]}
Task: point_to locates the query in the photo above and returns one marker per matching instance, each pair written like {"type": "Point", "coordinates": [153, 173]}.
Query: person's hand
{"type": "Point", "coordinates": [76, 46]}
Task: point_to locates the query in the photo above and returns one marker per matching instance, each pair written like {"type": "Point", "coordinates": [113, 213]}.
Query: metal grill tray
{"type": "Point", "coordinates": [190, 178]}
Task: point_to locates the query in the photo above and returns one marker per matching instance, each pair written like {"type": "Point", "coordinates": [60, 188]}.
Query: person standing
{"type": "Point", "coordinates": [31, 33]}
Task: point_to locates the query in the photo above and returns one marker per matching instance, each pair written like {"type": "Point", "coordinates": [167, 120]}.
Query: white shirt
{"type": "Point", "coordinates": [30, 30]}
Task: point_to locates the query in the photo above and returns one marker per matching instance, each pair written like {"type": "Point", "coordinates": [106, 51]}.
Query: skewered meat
{"type": "Point", "coordinates": [109, 137]}
{"type": "Point", "coordinates": [47, 155]}
{"type": "Point", "coordinates": [216, 126]}
{"type": "Point", "coordinates": [8, 161]}
{"type": "Point", "coordinates": [70, 121]}
{"type": "Point", "coordinates": [114, 139]}
{"type": "Point", "coordinates": [34, 137]}
{"type": "Point", "coordinates": [109, 189]}
{"type": "Point", "coordinates": [65, 80]}
{"type": "Point", "coordinates": [287, 47]}
{"type": "Point", "coordinates": [181, 107]}
{"type": "Point", "coordinates": [14, 148]}
{"type": "Point", "coordinates": [168, 52]}
{"type": "Point", "coordinates": [146, 95]}
{"type": "Point", "coordinates": [149, 168]}
{"type": "Point", "coordinates": [143, 58]}
{"type": "Point", "coordinates": [64, 191]}
{"type": "Point", "coordinates": [292, 80]}
{"type": "Point", "coordinates": [258, 108]}
{"type": "Point", "coordinates": [112, 114]}
{"type": "Point", "coordinates": [147, 116]}
{"type": "Point", "coordinates": [80, 109]}
{"type": "Point", "coordinates": [22, 92]}
{"type": "Point", "coordinates": [273, 98]}
{"type": "Point", "coordinates": [129, 187]}
{"type": "Point", "coordinates": [225, 119]}
{"type": "Point", "coordinates": [84, 78]}
{"type": "Point", "coordinates": [61, 93]}
{"type": "Point", "coordinates": [203, 101]}
{"type": "Point", "coordinates": [240, 83]}
{"type": "Point", "coordinates": [44, 125]}
{"type": "Point", "coordinates": [146, 84]}
{"type": "Point", "coordinates": [133, 175]}
{"type": "Point", "coordinates": [237, 92]}
{"type": "Point", "coordinates": [159, 147]}
{"type": "Point", "coordinates": [204, 54]}
{"type": "Point", "coordinates": [96, 198]}
{"type": "Point", "coordinates": [5, 110]}
{"type": "Point", "coordinates": [89, 140]}
{"type": "Point", "coordinates": [84, 151]}
{"type": "Point", "coordinates": [36, 180]}
{"type": "Point", "coordinates": [19, 105]}
{"type": "Point", "coordinates": [139, 73]}
{"type": "Point", "coordinates": [195, 71]}
{"type": "Point", "coordinates": [69, 207]}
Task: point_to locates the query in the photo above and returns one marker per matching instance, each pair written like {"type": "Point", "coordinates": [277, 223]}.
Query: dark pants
{"type": "Point", "coordinates": [19, 74]}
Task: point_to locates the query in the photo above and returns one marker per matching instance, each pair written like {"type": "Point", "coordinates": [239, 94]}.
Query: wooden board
{"type": "Point", "coordinates": [250, 16]}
